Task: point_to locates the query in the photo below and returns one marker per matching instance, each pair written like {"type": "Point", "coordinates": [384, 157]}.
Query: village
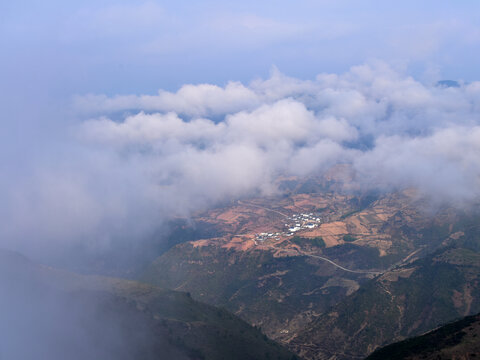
{"type": "Point", "coordinates": [295, 223]}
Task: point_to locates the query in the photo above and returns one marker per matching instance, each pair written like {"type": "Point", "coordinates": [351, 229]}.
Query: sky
{"type": "Point", "coordinates": [133, 46]}
{"type": "Point", "coordinates": [117, 115]}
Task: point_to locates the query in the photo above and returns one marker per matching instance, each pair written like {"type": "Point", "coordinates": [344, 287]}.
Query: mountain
{"type": "Point", "coordinates": [402, 302]}
{"type": "Point", "coordinates": [53, 314]}
{"type": "Point", "coordinates": [278, 282]}
{"type": "Point", "coordinates": [457, 340]}
{"type": "Point", "coordinates": [448, 83]}
{"type": "Point", "coordinates": [326, 269]}
{"type": "Point", "coordinates": [277, 293]}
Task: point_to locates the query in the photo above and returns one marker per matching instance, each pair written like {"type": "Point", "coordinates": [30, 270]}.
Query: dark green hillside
{"type": "Point", "coordinates": [277, 293]}
{"type": "Point", "coordinates": [457, 340]}
{"type": "Point", "coordinates": [403, 302]}
{"type": "Point", "coordinates": [430, 263]}
{"type": "Point", "coordinates": [315, 242]}
{"type": "Point", "coordinates": [61, 315]}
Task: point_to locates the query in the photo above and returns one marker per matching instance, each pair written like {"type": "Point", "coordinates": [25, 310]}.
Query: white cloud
{"type": "Point", "coordinates": [443, 165]}
{"type": "Point", "coordinates": [192, 100]}
{"type": "Point", "coordinates": [151, 129]}
{"type": "Point", "coordinates": [292, 122]}
{"type": "Point", "coordinates": [284, 121]}
{"type": "Point", "coordinates": [186, 150]}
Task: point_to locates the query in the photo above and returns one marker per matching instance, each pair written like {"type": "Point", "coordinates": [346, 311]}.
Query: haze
{"type": "Point", "coordinates": [119, 116]}
{"type": "Point", "coordinates": [104, 135]}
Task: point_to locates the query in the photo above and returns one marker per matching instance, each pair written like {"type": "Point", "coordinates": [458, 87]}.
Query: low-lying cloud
{"type": "Point", "coordinates": [136, 160]}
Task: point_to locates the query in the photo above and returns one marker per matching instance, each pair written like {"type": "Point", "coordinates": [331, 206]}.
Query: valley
{"type": "Point", "coordinates": [96, 317]}
{"type": "Point", "coordinates": [318, 271]}
{"type": "Point", "coordinates": [239, 180]}
{"type": "Point", "coordinates": [456, 340]}
{"type": "Point", "coordinates": [295, 264]}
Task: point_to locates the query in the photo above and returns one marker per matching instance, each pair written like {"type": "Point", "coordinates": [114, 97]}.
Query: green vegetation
{"type": "Point", "coordinates": [272, 289]}
{"type": "Point", "coordinates": [349, 213]}
{"type": "Point", "coordinates": [434, 234]}
{"type": "Point", "coordinates": [409, 301]}
{"type": "Point", "coordinates": [152, 323]}
{"type": "Point", "coordinates": [316, 241]}
{"type": "Point", "coordinates": [310, 186]}
{"type": "Point", "coordinates": [435, 342]}
{"type": "Point", "coordinates": [354, 256]}
{"type": "Point", "coordinates": [349, 238]}
{"type": "Point", "coordinates": [257, 286]}
{"type": "Point", "coordinates": [471, 229]}
{"type": "Point", "coordinates": [360, 204]}
{"type": "Point", "coordinates": [288, 185]}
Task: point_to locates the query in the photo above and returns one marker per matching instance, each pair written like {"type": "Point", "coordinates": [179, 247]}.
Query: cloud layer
{"type": "Point", "coordinates": [140, 159]}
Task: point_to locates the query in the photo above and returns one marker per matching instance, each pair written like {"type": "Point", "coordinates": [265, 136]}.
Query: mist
{"type": "Point", "coordinates": [124, 165]}
{"type": "Point", "coordinates": [49, 314]}
{"type": "Point", "coordinates": [118, 118]}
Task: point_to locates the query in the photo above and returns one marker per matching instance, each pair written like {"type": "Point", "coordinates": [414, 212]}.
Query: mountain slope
{"type": "Point", "coordinates": [457, 340]}
{"type": "Point", "coordinates": [54, 314]}
{"type": "Point", "coordinates": [270, 278]}
{"type": "Point", "coordinates": [278, 293]}
{"type": "Point", "coordinates": [301, 266]}
{"type": "Point", "coordinates": [403, 302]}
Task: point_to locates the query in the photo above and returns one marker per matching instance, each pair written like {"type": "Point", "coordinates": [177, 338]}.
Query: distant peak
{"type": "Point", "coordinates": [448, 83]}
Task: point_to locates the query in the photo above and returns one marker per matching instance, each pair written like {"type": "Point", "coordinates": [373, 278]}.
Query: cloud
{"type": "Point", "coordinates": [443, 165]}
{"type": "Point", "coordinates": [285, 121]}
{"type": "Point", "coordinates": [198, 100]}
{"type": "Point", "coordinates": [137, 161]}
{"type": "Point", "coordinates": [294, 122]}
{"type": "Point", "coordinates": [149, 129]}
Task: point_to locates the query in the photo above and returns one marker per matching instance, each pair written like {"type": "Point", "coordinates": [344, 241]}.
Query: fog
{"type": "Point", "coordinates": [125, 165]}
{"type": "Point", "coordinates": [49, 315]}
{"type": "Point", "coordinates": [119, 168]}
{"type": "Point", "coordinates": [117, 117]}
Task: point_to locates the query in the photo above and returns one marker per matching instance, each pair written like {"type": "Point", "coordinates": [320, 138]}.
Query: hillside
{"type": "Point", "coordinates": [271, 278]}
{"type": "Point", "coordinates": [278, 293]}
{"type": "Point", "coordinates": [403, 302]}
{"type": "Point", "coordinates": [48, 313]}
{"type": "Point", "coordinates": [321, 258]}
{"type": "Point", "coordinates": [457, 340]}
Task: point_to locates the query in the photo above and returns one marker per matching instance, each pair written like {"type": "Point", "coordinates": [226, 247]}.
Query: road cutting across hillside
{"type": "Point", "coordinates": [307, 254]}
{"type": "Point", "coordinates": [329, 261]}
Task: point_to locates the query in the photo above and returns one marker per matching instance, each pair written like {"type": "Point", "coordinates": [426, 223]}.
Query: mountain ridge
{"type": "Point", "coordinates": [100, 317]}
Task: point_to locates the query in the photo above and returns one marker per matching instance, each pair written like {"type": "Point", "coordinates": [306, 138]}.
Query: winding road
{"type": "Point", "coordinates": [330, 261]}
{"type": "Point", "coordinates": [304, 253]}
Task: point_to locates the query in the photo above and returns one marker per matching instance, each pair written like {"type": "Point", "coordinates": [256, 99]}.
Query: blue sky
{"type": "Point", "coordinates": [131, 46]}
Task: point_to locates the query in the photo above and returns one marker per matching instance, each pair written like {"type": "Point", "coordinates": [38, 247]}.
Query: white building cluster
{"type": "Point", "coordinates": [295, 223]}
{"type": "Point", "coordinates": [265, 236]}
